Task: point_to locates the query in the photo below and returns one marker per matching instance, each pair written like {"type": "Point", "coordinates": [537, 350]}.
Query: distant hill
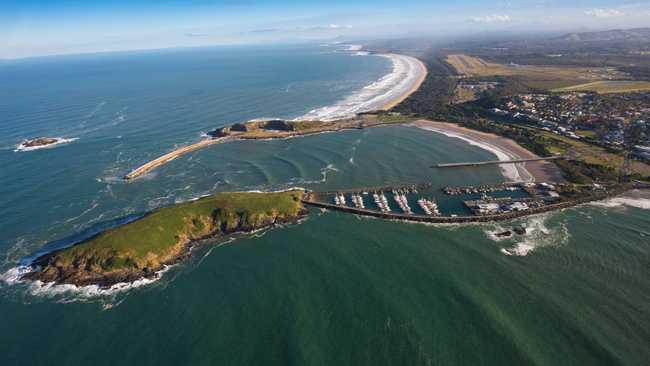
{"type": "Point", "coordinates": [637, 34]}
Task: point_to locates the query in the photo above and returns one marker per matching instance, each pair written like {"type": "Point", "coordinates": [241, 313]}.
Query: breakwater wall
{"type": "Point", "coordinates": [464, 219]}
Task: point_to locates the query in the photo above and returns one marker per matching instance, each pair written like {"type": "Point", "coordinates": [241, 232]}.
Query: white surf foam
{"type": "Point", "coordinates": [324, 172]}
{"type": "Point", "coordinates": [405, 74]}
{"type": "Point", "coordinates": [539, 233]}
{"type": "Point", "coordinates": [512, 172]}
{"type": "Point", "coordinates": [59, 141]}
{"type": "Point", "coordinates": [635, 199]}
{"type": "Point", "coordinates": [37, 288]}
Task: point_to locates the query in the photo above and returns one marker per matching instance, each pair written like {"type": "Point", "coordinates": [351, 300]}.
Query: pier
{"type": "Point", "coordinates": [495, 162]}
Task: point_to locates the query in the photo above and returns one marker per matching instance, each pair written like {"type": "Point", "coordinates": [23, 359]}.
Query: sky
{"type": "Point", "coordinates": [31, 28]}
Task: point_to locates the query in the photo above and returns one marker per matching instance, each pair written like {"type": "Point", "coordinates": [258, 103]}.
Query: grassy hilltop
{"type": "Point", "coordinates": [163, 236]}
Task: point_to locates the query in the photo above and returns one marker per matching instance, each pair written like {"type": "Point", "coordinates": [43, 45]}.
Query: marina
{"type": "Point", "coordinates": [454, 191]}
{"type": "Point", "coordinates": [402, 199]}
{"type": "Point", "coordinates": [494, 216]}
{"type": "Point", "coordinates": [485, 203]}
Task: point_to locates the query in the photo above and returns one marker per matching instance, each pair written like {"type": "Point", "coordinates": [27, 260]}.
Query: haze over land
{"type": "Point", "coordinates": [35, 28]}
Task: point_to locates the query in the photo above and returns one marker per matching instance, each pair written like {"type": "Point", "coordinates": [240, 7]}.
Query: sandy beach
{"type": "Point", "coordinates": [417, 80]}
{"type": "Point", "coordinates": [405, 77]}
{"type": "Point", "coordinates": [503, 148]}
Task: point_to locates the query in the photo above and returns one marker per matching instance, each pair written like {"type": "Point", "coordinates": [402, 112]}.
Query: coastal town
{"type": "Point", "coordinates": [610, 120]}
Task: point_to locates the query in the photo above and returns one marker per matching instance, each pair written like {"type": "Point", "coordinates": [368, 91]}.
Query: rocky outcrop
{"type": "Point", "coordinates": [267, 125]}
{"type": "Point", "coordinates": [41, 141]}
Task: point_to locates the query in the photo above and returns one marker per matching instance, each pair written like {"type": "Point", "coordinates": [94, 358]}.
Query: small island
{"type": "Point", "coordinates": [163, 237]}
{"type": "Point", "coordinates": [41, 143]}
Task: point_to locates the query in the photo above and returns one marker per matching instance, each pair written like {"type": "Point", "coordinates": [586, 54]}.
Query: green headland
{"type": "Point", "coordinates": [165, 236]}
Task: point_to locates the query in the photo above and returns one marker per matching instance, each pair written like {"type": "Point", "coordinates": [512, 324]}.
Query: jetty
{"type": "Point", "coordinates": [145, 168]}
{"type": "Point", "coordinates": [495, 162]}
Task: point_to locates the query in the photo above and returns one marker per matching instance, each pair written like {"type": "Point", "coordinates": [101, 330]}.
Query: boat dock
{"type": "Point", "coordinates": [487, 217]}
{"type": "Point", "coordinates": [495, 162]}
{"type": "Point", "coordinates": [382, 199]}
{"type": "Point", "coordinates": [406, 202]}
{"type": "Point", "coordinates": [484, 188]}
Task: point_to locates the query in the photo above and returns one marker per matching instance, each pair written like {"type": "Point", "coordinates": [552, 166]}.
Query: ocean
{"type": "Point", "coordinates": [335, 289]}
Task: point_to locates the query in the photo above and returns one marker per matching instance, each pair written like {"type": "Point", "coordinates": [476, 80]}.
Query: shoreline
{"type": "Point", "coordinates": [406, 76]}
{"type": "Point", "coordinates": [239, 220]}
{"type": "Point", "coordinates": [415, 86]}
{"type": "Point", "coordinates": [418, 74]}
{"type": "Point", "coordinates": [503, 148]}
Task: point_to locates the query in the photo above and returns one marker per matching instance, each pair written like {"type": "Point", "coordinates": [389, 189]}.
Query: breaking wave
{"type": "Point", "coordinates": [404, 76]}
{"type": "Point", "coordinates": [541, 231]}
{"type": "Point", "coordinates": [636, 199]}
{"type": "Point", "coordinates": [76, 293]}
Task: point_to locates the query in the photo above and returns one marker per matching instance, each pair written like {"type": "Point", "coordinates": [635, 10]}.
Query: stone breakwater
{"type": "Point", "coordinates": [466, 219]}
{"type": "Point", "coordinates": [164, 159]}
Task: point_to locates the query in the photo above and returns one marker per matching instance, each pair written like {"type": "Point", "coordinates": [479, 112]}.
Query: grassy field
{"type": "Point", "coordinates": [541, 77]}
{"type": "Point", "coordinates": [609, 86]}
{"type": "Point", "coordinates": [162, 234]}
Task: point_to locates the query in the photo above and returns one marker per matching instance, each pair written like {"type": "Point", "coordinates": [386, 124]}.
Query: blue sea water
{"type": "Point", "coordinates": [335, 289]}
{"type": "Point", "coordinates": [127, 108]}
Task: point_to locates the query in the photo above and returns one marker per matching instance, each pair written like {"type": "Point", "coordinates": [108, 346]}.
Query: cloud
{"type": "Point", "coordinates": [337, 26]}
{"type": "Point", "coordinates": [604, 13]}
{"type": "Point", "coordinates": [491, 19]}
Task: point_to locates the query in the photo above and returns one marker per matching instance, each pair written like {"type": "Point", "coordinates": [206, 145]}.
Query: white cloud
{"type": "Point", "coordinates": [604, 13]}
{"type": "Point", "coordinates": [337, 26]}
{"type": "Point", "coordinates": [492, 19]}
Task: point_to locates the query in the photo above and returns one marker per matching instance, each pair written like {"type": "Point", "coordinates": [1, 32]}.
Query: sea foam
{"type": "Point", "coordinates": [14, 275]}
{"type": "Point", "coordinates": [405, 73]}
{"type": "Point", "coordinates": [60, 141]}
{"type": "Point", "coordinates": [636, 199]}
